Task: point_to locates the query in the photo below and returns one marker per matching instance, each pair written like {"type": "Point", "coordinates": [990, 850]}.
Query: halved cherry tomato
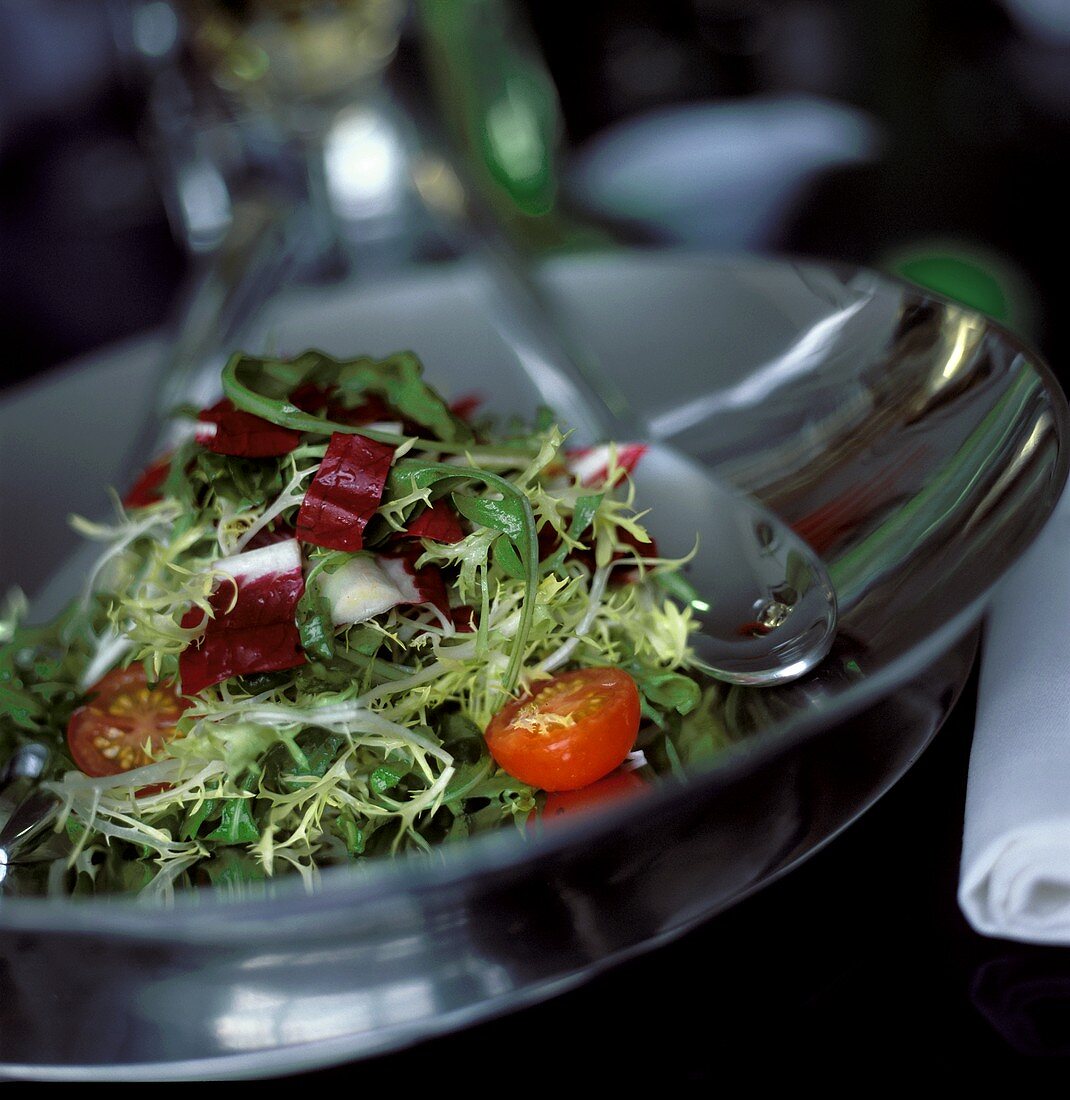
{"type": "Point", "coordinates": [570, 731]}
{"type": "Point", "coordinates": [615, 787]}
{"type": "Point", "coordinates": [107, 735]}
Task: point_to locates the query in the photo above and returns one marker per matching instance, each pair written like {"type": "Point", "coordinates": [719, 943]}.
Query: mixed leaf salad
{"type": "Point", "coordinates": [343, 619]}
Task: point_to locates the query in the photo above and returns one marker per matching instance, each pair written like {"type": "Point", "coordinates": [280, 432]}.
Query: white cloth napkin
{"type": "Point", "coordinates": [1015, 875]}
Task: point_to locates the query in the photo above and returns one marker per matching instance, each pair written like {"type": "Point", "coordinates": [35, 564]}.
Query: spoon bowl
{"type": "Point", "coordinates": [764, 601]}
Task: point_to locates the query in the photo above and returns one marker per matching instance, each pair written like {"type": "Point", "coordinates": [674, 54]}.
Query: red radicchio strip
{"type": "Point", "coordinates": [345, 492]}
{"type": "Point", "coordinates": [231, 431]}
{"type": "Point", "coordinates": [591, 464]}
{"type": "Point", "coordinates": [315, 399]}
{"type": "Point", "coordinates": [439, 523]}
{"type": "Point", "coordinates": [146, 490]}
{"type": "Point", "coordinates": [464, 619]}
{"type": "Point", "coordinates": [465, 407]}
{"type": "Point", "coordinates": [259, 632]}
{"type": "Point", "coordinates": [417, 585]}
{"type": "Point", "coordinates": [266, 537]}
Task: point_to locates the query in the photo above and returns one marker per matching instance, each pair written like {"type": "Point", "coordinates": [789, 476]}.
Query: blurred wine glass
{"type": "Point", "coordinates": [281, 155]}
{"type": "Point", "coordinates": [294, 58]}
{"type": "Point", "coordinates": [294, 148]}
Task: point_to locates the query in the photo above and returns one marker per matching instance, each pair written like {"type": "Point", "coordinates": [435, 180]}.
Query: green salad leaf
{"type": "Point", "coordinates": [371, 745]}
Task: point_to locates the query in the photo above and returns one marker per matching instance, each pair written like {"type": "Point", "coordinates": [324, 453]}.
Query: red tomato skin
{"type": "Point", "coordinates": [602, 705]}
{"type": "Point", "coordinates": [618, 786]}
{"type": "Point", "coordinates": [121, 714]}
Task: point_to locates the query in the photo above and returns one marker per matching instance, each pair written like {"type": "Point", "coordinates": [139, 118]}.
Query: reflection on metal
{"type": "Point", "coordinates": [966, 330]}
{"type": "Point", "coordinates": [800, 360]}
{"type": "Point", "coordinates": [154, 28]}
{"type": "Point", "coordinates": [930, 521]}
{"type": "Point", "coordinates": [1020, 462]}
{"type": "Point", "coordinates": [204, 203]}
{"type": "Point", "coordinates": [265, 54]}
{"type": "Point", "coordinates": [773, 614]}
{"type": "Point", "coordinates": [256, 1018]}
{"type": "Point", "coordinates": [766, 610]}
{"type": "Point", "coordinates": [438, 186]}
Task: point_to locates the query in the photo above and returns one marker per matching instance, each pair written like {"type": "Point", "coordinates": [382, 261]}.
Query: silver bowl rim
{"type": "Point", "coordinates": [196, 915]}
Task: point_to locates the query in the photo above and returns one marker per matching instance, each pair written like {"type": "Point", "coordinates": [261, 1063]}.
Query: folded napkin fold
{"type": "Point", "coordinates": [1015, 873]}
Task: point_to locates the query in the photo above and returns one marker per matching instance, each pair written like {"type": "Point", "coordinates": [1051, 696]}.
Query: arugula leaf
{"type": "Point", "coordinates": [399, 379]}
{"type": "Point", "coordinates": [263, 387]}
{"type": "Point", "coordinates": [460, 736]}
{"type": "Point", "coordinates": [40, 669]}
{"type": "Point", "coordinates": [693, 740]}
{"type": "Point", "coordinates": [321, 749]}
{"type": "Point", "coordinates": [582, 517]}
{"type": "Point", "coordinates": [500, 515]}
{"type": "Point", "coordinates": [314, 624]}
{"type": "Point", "coordinates": [667, 690]}
{"type": "Point", "coordinates": [233, 869]}
{"type": "Point", "coordinates": [236, 825]}
{"type": "Point", "coordinates": [353, 835]}
{"type": "Point", "coordinates": [383, 779]}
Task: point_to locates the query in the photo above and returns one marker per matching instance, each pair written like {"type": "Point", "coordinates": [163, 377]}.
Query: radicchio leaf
{"type": "Point", "coordinates": [231, 431]}
{"type": "Point", "coordinates": [464, 619]}
{"type": "Point", "coordinates": [146, 490]}
{"type": "Point", "coordinates": [438, 523]}
{"type": "Point", "coordinates": [322, 400]}
{"type": "Point", "coordinates": [591, 464]}
{"type": "Point", "coordinates": [268, 536]}
{"type": "Point", "coordinates": [254, 628]}
{"type": "Point", "coordinates": [417, 586]}
{"type": "Point", "coordinates": [345, 492]}
{"type": "Point", "coordinates": [466, 406]}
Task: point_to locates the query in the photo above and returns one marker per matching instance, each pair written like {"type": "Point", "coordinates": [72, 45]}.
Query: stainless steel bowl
{"type": "Point", "coordinates": [916, 443]}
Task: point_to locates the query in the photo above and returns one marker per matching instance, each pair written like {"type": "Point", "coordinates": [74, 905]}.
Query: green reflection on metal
{"type": "Point", "coordinates": [970, 273]}
{"type": "Point", "coordinates": [517, 144]}
{"type": "Point", "coordinates": [961, 279]}
{"type": "Point", "coordinates": [942, 505]}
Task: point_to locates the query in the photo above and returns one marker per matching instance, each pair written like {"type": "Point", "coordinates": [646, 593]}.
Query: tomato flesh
{"type": "Point", "coordinates": [108, 734]}
{"type": "Point", "coordinates": [570, 731]}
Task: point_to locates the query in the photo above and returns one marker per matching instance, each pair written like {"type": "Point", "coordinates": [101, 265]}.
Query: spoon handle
{"type": "Point", "coordinates": [34, 809]}
{"type": "Point", "coordinates": [27, 822]}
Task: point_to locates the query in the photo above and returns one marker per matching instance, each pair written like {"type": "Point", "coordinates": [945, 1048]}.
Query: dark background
{"type": "Point", "coordinates": [972, 117]}
{"type": "Point", "coordinates": [863, 951]}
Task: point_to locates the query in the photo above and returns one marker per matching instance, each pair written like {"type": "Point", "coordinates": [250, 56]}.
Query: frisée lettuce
{"type": "Point", "coordinates": [335, 582]}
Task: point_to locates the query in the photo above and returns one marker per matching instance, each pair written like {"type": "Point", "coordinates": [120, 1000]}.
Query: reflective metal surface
{"type": "Point", "coordinates": [28, 812]}
{"type": "Point", "coordinates": [917, 447]}
{"type": "Point", "coordinates": [765, 604]}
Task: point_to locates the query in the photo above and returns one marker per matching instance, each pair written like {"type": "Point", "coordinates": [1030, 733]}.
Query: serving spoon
{"type": "Point", "coordinates": [33, 809]}
{"type": "Point", "coordinates": [762, 597]}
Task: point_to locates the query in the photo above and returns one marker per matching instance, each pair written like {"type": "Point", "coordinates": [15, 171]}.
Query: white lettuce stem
{"type": "Point", "coordinates": [597, 592]}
